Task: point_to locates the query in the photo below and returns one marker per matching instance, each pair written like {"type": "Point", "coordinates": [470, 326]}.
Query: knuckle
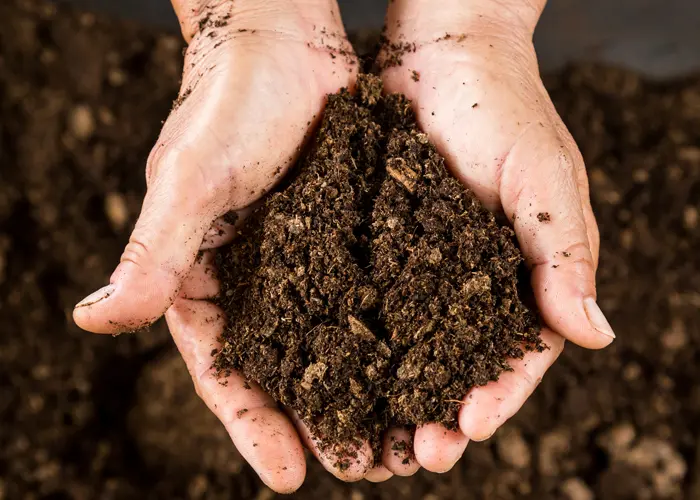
{"type": "Point", "coordinates": [193, 13]}
{"type": "Point", "coordinates": [203, 375]}
{"type": "Point", "coordinates": [198, 183]}
{"type": "Point", "coordinates": [202, 378]}
{"type": "Point", "coordinates": [526, 380]}
{"type": "Point", "coordinates": [136, 252]}
{"type": "Point", "coordinates": [579, 253]}
{"type": "Point", "coordinates": [519, 389]}
{"type": "Point", "coordinates": [163, 156]}
{"type": "Point", "coordinates": [153, 160]}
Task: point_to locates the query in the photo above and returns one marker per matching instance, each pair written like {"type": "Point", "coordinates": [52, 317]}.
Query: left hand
{"type": "Point", "coordinates": [479, 97]}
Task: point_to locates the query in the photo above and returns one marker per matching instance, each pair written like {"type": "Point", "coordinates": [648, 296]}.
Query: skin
{"type": "Point", "coordinates": [481, 100]}
{"type": "Point", "coordinates": [251, 98]}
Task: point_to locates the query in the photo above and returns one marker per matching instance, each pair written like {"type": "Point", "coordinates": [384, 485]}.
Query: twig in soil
{"type": "Point", "coordinates": [314, 328]}
{"type": "Point", "coordinates": [397, 169]}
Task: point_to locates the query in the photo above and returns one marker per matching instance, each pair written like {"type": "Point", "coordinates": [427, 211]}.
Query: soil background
{"type": "Point", "coordinates": [85, 416]}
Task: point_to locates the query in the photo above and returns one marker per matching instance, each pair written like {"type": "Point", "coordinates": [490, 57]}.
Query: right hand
{"type": "Point", "coordinates": [255, 81]}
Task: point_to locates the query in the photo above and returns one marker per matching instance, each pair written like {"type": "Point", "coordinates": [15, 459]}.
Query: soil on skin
{"type": "Point", "coordinates": [373, 289]}
{"type": "Point", "coordinates": [86, 416]}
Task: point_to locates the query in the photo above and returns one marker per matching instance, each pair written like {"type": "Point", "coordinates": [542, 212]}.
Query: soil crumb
{"type": "Point", "coordinates": [373, 289]}
{"type": "Point", "coordinates": [544, 217]}
{"type": "Point", "coordinates": [392, 53]}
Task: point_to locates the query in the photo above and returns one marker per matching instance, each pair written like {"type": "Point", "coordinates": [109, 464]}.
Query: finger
{"type": "Point", "coordinates": [438, 449]}
{"type": "Point", "coordinates": [263, 435]}
{"type": "Point", "coordinates": [159, 255]}
{"type": "Point", "coordinates": [224, 229]}
{"type": "Point", "coordinates": [201, 282]}
{"type": "Point", "coordinates": [397, 452]}
{"type": "Point", "coordinates": [379, 474]}
{"type": "Point", "coordinates": [220, 233]}
{"type": "Point", "coordinates": [551, 223]}
{"type": "Point", "coordinates": [486, 408]}
{"type": "Point", "coordinates": [347, 462]}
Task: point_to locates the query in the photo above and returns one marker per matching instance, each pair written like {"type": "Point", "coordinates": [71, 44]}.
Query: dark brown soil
{"type": "Point", "coordinates": [544, 217]}
{"type": "Point", "coordinates": [373, 289]}
{"type": "Point", "coordinates": [85, 416]}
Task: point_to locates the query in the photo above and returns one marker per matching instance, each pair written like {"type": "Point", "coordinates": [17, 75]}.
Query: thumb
{"type": "Point", "coordinates": [544, 188]}
{"type": "Point", "coordinates": [163, 246]}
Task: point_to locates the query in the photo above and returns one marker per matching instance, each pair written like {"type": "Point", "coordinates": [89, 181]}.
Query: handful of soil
{"type": "Point", "coordinates": [372, 290]}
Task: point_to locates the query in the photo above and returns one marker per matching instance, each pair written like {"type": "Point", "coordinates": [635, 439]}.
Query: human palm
{"type": "Point", "coordinates": [478, 95]}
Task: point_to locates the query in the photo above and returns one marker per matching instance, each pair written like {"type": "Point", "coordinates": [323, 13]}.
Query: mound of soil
{"type": "Point", "coordinates": [373, 289]}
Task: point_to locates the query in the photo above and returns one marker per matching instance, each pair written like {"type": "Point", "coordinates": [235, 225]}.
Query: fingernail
{"type": "Point", "coordinates": [480, 438]}
{"type": "Point", "coordinates": [597, 318]}
{"type": "Point", "coordinates": [97, 296]}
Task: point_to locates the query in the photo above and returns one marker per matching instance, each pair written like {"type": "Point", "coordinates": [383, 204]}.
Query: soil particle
{"type": "Point", "coordinates": [373, 289]}
{"type": "Point", "coordinates": [181, 98]}
{"type": "Point", "coordinates": [512, 447]}
{"type": "Point", "coordinates": [652, 459]}
{"type": "Point", "coordinates": [203, 22]}
{"type": "Point", "coordinates": [459, 38]}
{"type": "Point", "coordinates": [576, 489]}
{"type": "Point", "coordinates": [392, 53]}
{"type": "Point", "coordinates": [81, 122]}
{"type": "Point", "coordinates": [265, 494]}
{"type": "Point", "coordinates": [675, 337]}
{"type": "Point", "coordinates": [117, 77]}
{"type": "Point", "coordinates": [618, 439]}
{"type": "Point", "coordinates": [154, 425]}
{"type": "Point", "coordinates": [544, 217]}
{"type": "Point", "coordinates": [230, 217]}
{"type": "Point", "coordinates": [399, 446]}
{"type": "Point", "coordinates": [553, 447]}
{"type": "Point", "coordinates": [116, 210]}
{"type": "Point", "coordinates": [690, 217]}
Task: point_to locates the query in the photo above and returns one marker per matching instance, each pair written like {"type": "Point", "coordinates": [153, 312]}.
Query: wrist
{"type": "Point", "coordinates": [195, 15]}
{"type": "Point", "coordinates": [421, 17]}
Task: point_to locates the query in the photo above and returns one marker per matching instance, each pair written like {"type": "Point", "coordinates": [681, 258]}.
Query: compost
{"type": "Point", "coordinates": [373, 289]}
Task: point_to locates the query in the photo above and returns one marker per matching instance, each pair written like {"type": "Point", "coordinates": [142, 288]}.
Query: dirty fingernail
{"type": "Point", "coordinates": [597, 318]}
{"type": "Point", "coordinates": [97, 296]}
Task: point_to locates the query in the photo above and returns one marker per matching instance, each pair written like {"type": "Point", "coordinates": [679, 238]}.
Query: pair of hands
{"type": "Point", "coordinates": [256, 76]}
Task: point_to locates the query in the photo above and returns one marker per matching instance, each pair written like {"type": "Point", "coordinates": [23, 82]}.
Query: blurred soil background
{"type": "Point", "coordinates": [84, 416]}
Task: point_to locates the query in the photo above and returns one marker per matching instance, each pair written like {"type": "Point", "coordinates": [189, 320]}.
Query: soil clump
{"type": "Point", "coordinates": [373, 289]}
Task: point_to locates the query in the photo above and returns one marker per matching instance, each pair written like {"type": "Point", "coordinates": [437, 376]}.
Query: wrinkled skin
{"type": "Point", "coordinates": [481, 100]}
{"type": "Point", "coordinates": [249, 98]}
